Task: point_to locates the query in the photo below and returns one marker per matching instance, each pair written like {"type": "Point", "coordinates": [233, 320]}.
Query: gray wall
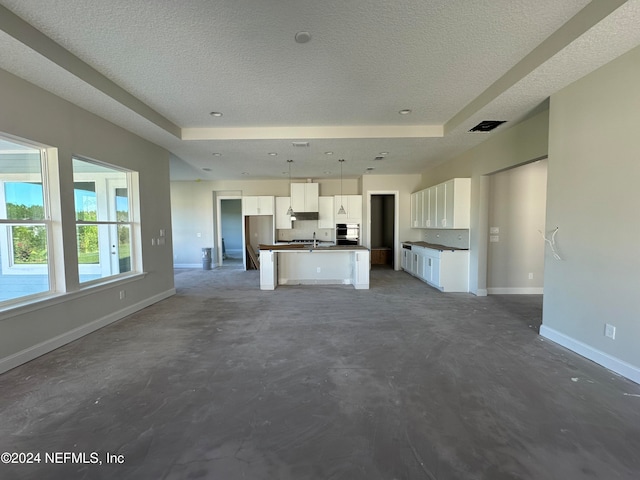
{"type": "Point", "coordinates": [594, 199]}
{"type": "Point", "coordinates": [517, 205]}
{"type": "Point", "coordinates": [34, 114]}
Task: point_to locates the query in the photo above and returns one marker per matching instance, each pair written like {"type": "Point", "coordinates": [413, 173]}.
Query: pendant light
{"type": "Point", "coordinates": [290, 212]}
{"type": "Point", "coordinates": [341, 211]}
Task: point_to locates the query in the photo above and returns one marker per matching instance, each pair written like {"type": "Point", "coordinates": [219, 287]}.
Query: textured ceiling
{"type": "Point", "coordinates": [366, 61]}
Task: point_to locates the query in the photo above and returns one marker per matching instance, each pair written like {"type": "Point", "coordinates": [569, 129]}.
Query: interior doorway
{"type": "Point", "coordinates": [516, 220]}
{"type": "Point", "coordinates": [383, 229]}
{"type": "Point", "coordinates": [230, 249]}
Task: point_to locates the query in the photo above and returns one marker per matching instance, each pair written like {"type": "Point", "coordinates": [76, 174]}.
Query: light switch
{"type": "Point", "coordinates": [494, 238]}
{"type": "Point", "coordinates": [494, 230]}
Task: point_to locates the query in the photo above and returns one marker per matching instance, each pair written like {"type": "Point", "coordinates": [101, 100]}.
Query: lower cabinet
{"type": "Point", "coordinates": [447, 270]}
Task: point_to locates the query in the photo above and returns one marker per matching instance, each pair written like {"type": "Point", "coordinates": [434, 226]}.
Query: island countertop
{"type": "Point", "coordinates": [297, 247]}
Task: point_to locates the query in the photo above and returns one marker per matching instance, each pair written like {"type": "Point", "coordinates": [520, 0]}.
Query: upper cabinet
{"type": "Point", "coordinates": [257, 205]}
{"type": "Point", "coordinates": [283, 220]}
{"type": "Point", "coordinates": [353, 207]}
{"type": "Point", "coordinates": [304, 197]}
{"type": "Point", "coordinates": [326, 213]}
{"type": "Point", "coordinates": [446, 205]}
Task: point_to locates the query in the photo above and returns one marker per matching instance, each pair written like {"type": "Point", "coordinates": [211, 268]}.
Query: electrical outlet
{"type": "Point", "coordinates": [530, 275]}
{"type": "Point", "coordinates": [494, 230]}
{"type": "Point", "coordinates": [318, 270]}
{"type": "Point", "coordinates": [153, 242]}
{"type": "Point", "coordinates": [609, 331]}
{"type": "Point", "coordinates": [122, 294]}
{"type": "Point", "coordinates": [494, 238]}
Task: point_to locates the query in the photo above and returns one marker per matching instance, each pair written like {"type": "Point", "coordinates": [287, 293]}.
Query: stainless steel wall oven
{"type": "Point", "coordinates": [347, 234]}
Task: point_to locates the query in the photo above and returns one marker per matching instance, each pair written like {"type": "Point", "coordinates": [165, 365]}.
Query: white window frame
{"type": "Point", "coordinates": [6, 241]}
{"type": "Point", "coordinates": [103, 185]}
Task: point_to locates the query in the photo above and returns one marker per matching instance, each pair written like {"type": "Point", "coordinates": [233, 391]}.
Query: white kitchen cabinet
{"type": "Point", "coordinates": [353, 208]}
{"type": "Point", "coordinates": [326, 213]}
{"type": "Point", "coordinates": [446, 270]}
{"type": "Point", "coordinates": [453, 209]}
{"type": "Point", "coordinates": [431, 222]}
{"type": "Point", "coordinates": [283, 221]}
{"type": "Point", "coordinates": [257, 205]}
{"type": "Point", "coordinates": [446, 205]}
{"type": "Point", "coordinates": [304, 197]}
{"type": "Point", "coordinates": [417, 209]}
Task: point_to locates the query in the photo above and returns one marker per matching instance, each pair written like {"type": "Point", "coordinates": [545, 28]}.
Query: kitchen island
{"type": "Point", "coordinates": [308, 265]}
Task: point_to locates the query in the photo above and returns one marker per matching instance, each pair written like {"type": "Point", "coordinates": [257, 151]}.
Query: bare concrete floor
{"type": "Point", "coordinates": [224, 381]}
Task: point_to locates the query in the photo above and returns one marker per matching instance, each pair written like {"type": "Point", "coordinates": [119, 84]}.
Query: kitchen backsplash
{"type": "Point", "coordinates": [303, 229]}
{"type": "Point", "coordinates": [450, 238]}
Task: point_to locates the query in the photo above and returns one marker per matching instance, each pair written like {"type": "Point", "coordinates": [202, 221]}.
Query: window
{"type": "Point", "coordinates": [24, 222]}
{"type": "Point", "coordinates": [104, 223]}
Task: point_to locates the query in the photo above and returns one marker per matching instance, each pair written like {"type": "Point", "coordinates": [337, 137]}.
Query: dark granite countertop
{"type": "Point", "coordinates": [434, 246]}
{"type": "Point", "coordinates": [304, 247]}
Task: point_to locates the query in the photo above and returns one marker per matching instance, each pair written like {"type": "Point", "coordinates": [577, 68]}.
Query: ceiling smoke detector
{"type": "Point", "coordinates": [486, 126]}
{"type": "Point", "coordinates": [302, 37]}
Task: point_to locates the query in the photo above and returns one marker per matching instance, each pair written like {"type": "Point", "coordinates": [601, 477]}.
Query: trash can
{"type": "Point", "coordinates": [206, 258]}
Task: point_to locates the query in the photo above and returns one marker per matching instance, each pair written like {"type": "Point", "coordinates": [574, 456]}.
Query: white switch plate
{"type": "Point", "coordinates": [609, 331]}
{"type": "Point", "coordinates": [494, 230]}
{"type": "Point", "coordinates": [494, 238]}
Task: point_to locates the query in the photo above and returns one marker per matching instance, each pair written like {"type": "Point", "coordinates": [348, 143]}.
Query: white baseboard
{"type": "Point", "coordinates": [51, 344]}
{"type": "Point", "coordinates": [515, 291]}
{"type": "Point", "coordinates": [612, 363]}
{"type": "Point", "coordinates": [189, 265]}
{"type": "Point", "coordinates": [481, 292]}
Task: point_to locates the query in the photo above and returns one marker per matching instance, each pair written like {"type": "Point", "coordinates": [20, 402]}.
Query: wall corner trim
{"type": "Point", "coordinates": [614, 364]}
{"type": "Point", "coordinates": [35, 351]}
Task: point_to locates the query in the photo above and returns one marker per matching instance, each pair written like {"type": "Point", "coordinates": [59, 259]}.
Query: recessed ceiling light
{"type": "Point", "coordinates": [328, 153]}
{"type": "Point", "coordinates": [303, 37]}
{"type": "Point", "coordinates": [216, 154]}
{"type": "Point", "coordinates": [216, 114]}
{"type": "Point", "coordinates": [406, 111]}
{"type": "Point", "coordinates": [273, 154]}
{"type": "Point", "coordinates": [382, 154]}
{"type": "Point", "coordinates": [206, 169]}
{"type": "Point", "coordinates": [327, 173]}
{"type": "Point", "coordinates": [245, 173]}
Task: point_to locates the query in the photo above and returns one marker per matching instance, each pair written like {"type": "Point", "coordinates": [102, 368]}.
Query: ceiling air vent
{"type": "Point", "coordinates": [379, 158]}
{"type": "Point", "coordinates": [300, 144]}
{"type": "Point", "coordinates": [486, 126]}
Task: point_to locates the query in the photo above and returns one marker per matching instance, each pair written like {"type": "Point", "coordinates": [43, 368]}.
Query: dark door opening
{"type": "Point", "coordinates": [382, 230]}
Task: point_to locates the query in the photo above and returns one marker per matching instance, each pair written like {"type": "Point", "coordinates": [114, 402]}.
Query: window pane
{"type": "Point", "coordinates": [102, 195]}
{"type": "Point", "coordinates": [85, 197]}
{"type": "Point", "coordinates": [29, 245]}
{"type": "Point", "coordinates": [88, 248]}
{"type": "Point", "coordinates": [24, 201]}
{"type": "Point", "coordinates": [100, 192]}
{"type": "Point", "coordinates": [124, 248]}
{"type": "Point", "coordinates": [24, 253]}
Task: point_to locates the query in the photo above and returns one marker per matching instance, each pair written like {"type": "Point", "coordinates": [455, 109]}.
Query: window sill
{"type": "Point", "coordinates": [49, 300]}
